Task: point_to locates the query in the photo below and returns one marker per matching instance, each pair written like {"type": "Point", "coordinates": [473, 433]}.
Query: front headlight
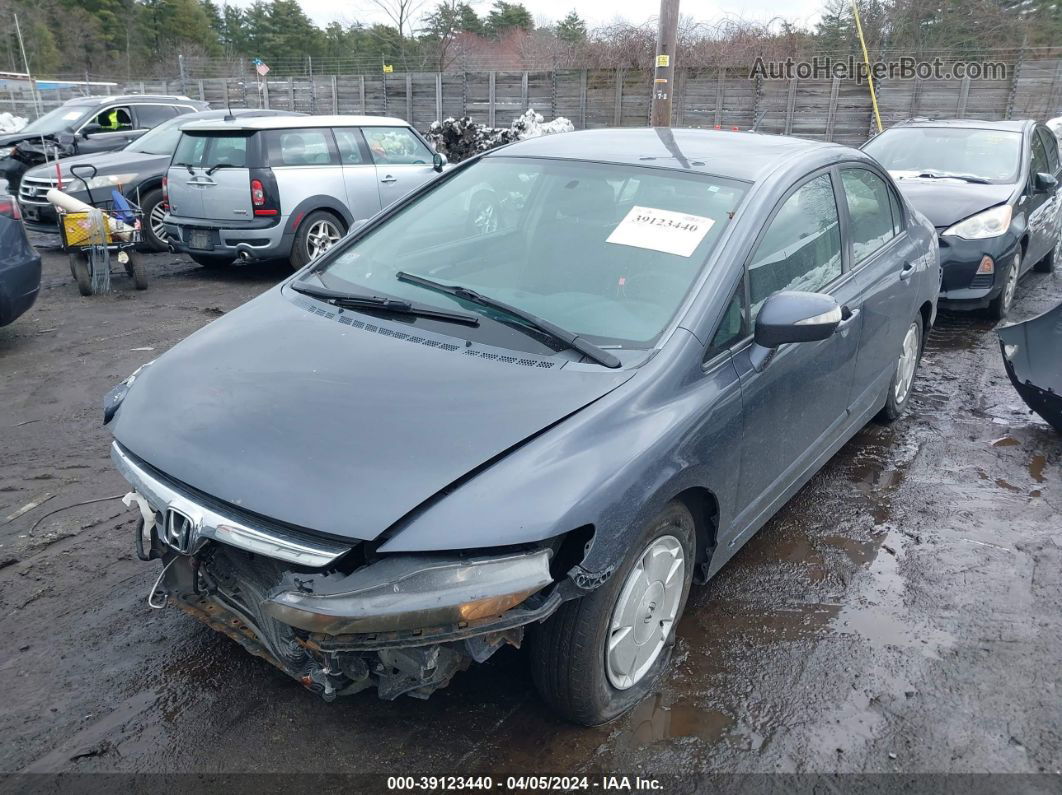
{"type": "Point", "coordinates": [108, 181]}
{"type": "Point", "coordinates": [7, 151]}
{"type": "Point", "coordinates": [407, 592]}
{"type": "Point", "coordinates": [990, 223]}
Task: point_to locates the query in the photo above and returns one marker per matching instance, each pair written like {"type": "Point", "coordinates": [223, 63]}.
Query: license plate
{"type": "Point", "coordinates": [200, 238]}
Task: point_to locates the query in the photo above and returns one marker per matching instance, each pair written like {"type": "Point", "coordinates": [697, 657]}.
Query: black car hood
{"type": "Point", "coordinates": [947, 202]}
{"type": "Point", "coordinates": [120, 162]}
{"type": "Point", "coordinates": [301, 418]}
{"type": "Point", "coordinates": [13, 138]}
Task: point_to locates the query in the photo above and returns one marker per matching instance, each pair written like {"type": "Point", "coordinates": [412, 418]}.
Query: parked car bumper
{"type": "Point", "coordinates": [962, 287]}
{"type": "Point", "coordinates": [257, 239]}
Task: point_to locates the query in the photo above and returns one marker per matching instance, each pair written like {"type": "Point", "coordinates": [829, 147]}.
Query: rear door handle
{"type": "Point", "coordinates": [907, 272]}
{"type": "Point", "coordinates": [389, 179]}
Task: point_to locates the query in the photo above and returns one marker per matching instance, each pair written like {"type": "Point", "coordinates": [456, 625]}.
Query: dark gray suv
{"type": "Point", "coordinates": [86, 125]}
{"type": "Point", "coordinates": [445, 436]}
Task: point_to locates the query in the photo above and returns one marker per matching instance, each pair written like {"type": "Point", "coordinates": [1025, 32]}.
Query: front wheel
{"type": "Point", "coordinates": [135, 267]}
{"type": "Point", "coordinates": [999, 308]}
{"type": "Point", "coordinates": [154, 233]}
{"type": "Point", "coordinates": [599, 655]}
{"type": "Point", "coordinates": [900, 388]}
{"type": "Point", "coordinates": [79, 267]}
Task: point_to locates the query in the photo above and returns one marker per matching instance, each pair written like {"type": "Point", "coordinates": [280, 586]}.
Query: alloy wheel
{"type": "Point", "coordinates": [320, 237]}
{"type": "Point", "coordinates": [158, 212]}
{"type": "Point", "coordinates": [1011, 286]}
{"type": "Point", "coordinates": [645, 612]}
{"type": "Point", "coordinates": [905, 367]}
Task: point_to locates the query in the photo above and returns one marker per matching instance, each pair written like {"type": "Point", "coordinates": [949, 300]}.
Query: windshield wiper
{"type": "Point", "coordinates": [216, 166]}
{"type": "Point", "coordinates": [570, 340]}
{"type": "Point", "coordinates": [946, 175]}
{"type": "Point", "coordinates": [380, 303]}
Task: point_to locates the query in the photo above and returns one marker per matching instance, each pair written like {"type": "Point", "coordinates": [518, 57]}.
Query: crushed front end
{"type": "Point", "coordinates": [332, 614]}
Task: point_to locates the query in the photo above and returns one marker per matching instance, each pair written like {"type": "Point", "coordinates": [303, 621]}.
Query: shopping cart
{"type": "Point", "coordinates": [101, 238]}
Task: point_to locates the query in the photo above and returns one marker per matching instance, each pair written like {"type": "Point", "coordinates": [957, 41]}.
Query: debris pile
{"type": "Point", "coordinates": [459, 139]}
{"type": "Point", "coordinates": [10, 123]}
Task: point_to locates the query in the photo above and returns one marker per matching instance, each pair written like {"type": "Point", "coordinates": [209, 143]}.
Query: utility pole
{"type": "Point", "coordinates": [664, 77]}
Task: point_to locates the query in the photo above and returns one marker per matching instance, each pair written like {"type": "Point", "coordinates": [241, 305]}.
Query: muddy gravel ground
{"type": "Point", "coordinates": [902, 613]}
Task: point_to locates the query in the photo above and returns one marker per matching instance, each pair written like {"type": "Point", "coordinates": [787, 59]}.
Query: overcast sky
{"type": "Point", "coordinates": [595, 12]}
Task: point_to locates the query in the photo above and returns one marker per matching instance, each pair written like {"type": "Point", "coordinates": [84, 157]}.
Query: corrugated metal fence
{"type": "Point", "coordinates": [829, 109]}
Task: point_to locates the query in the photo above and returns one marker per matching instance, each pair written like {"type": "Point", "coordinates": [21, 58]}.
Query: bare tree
{"type": "Point", "coordinates": [401, 12]}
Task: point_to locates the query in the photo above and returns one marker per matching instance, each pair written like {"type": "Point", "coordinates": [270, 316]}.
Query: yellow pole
{"type": "Point", "coordinates": [866, 60]}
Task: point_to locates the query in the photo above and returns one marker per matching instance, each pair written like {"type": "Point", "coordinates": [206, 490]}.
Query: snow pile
{"type": "Point", "coordinates": [10, 123]}
{"type": "Point", "coordinates": [459, 139]}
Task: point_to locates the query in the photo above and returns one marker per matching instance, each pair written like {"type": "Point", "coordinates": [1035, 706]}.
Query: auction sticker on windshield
{"type": "Point", "coordinates": [661, 230]}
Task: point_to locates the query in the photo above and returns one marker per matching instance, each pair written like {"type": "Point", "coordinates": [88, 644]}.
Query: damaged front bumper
{"type": "Point", "coordinates": [317, 609]}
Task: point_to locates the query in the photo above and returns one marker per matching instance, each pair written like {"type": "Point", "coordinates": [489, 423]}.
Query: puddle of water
{"type": "Point", "coordinates": [858, 551]}
{"type": "Point", "coordinates": [1036, 467]}
{"type": "Point", "coordinates": [1008, 486]}
{"type": "Point", "coordinates": [1005, 441]}
{"type": "Point", "coordinates": [652, 721]}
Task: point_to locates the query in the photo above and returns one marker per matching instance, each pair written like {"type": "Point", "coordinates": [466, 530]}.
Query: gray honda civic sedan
{"type": "Point", "coordinates": [533, 401]}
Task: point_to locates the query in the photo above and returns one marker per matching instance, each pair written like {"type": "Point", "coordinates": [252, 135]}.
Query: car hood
{"type": "Point", "coordinates": [120, 162]}
{"type": "Point", "coordinates": [297, 416]}
{"type": "Point", "coordinates": [947, 202]}
{"type": "Point", "coordinates": [13, 138]}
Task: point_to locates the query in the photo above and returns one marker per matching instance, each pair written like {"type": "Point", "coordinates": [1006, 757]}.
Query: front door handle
{"type": "Point", "coordinates": [389, 179]}
{"type": "Point", "coordinates": [907, 272]}
{"type": "Point", "coordinates": [847, 321]}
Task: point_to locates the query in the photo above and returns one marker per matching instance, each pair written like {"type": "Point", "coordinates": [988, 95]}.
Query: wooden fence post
{"type": "Point", "coordinates": [720, 89]}
{"type": "Point", "coordinates": [202, 92]}
{"type": "Point", "coordinates": [523, 93]}
{"type": "Point", "coordinates": [790, 106]}
{"type": "Point", "coordinates": [832, 113]}
{"type": "Point", "coordinates": [491, 88]}
{"type": "Point", "coordinates": [582, 99]}
{"type": "Point", "coordinates": [617, 111]}
{"type": "Point", "coordinates": [964, 94]}
{"type": "Point", "coordinates": [335, 95]}
{"type": "Point", "coordinates": [409, 97]}
{"type": "Point", "coordinates": [361, 94]}
{"type": "Point", "coordinates": [679, 101]}
{"type": "Point", "coordinates": [438, 96]}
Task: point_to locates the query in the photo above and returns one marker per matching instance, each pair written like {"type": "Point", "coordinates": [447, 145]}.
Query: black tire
{"type": "Point", "coordinates": [211, 260]}
{"type": "Point", "coordinates": [149, 202]}
{"type": "Point", "coordinates": [1000, 306]}
{"type": "Point", "coordinates": [896, 404]}
{"type": "Point", "coordinates": [1047, 264]}
{"type": "Point", "coordinates": [301, 252]}
{"type": "Point", "coordinates": [136, 268]}
{"type": "Point", "coordinates": [80, 268]}
{"type": "Point", "coordinates": [568, 651]}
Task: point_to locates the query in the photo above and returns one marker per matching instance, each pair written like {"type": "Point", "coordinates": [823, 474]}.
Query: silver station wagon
{"type": "Point", "coordinates": [287, 188]}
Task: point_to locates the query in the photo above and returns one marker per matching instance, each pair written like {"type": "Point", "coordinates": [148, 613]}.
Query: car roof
{"type": "Point", "coordinates": [1010, 125]}
{"type": "Point", "coordinates": [132, 98]}
{"type": "Point", "coordinates": [240, 113]}
{"type": "Point", "coordinates": [745, 156]}
{"type": "Point", "coordinates": [289, 122]}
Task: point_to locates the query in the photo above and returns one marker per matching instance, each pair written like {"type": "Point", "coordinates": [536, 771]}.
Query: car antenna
{"type": "Point", "coordinates": [228, 113]}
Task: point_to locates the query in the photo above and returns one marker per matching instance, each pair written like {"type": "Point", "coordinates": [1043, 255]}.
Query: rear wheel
{"type": "Point", "coordinates": [153, 232]}
{"type": "Point", "coordinates": [318, 232]}
{"type": "Point", "coordinates": [79, 267]}
{"type": "Point", "coordinates": [1000, 306]}
{"type": "Point", "coordinates": [211, 260]}
{"type": "Point", "coordinates": [135, 267]}
{"type": "Point", "coordinates": [900, 388]}
{"type": "Point", "coordinates": [599, 655]}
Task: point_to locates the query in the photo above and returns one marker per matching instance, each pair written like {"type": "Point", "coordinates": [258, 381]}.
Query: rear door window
{"type": "Point", "coordinates": [351, 146]}
{"type": "Point", "coordinates": [869, 211]}
{"type": "Point", "coordinates": [209, 150]}
{"type": "Point", "coordinates": [148, 116]}
{"type": "Point", "coordinates": [312, 146]}
{"type": "Point", "coordinates": [396, 146]}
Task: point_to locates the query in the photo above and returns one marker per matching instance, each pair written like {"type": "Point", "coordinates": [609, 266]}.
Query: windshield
{"type": "Point", "coordinates": [993, 155]}
{"type": "Point", "coordinates": [605, 251]}
{"type": "Point", "coordinates": [58, 120]}
{"type": "Point", "coordinates": [160, 141]}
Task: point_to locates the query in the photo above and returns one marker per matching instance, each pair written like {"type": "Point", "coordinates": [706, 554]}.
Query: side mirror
{"type": "Point", "coordinates": [88, 129]}
{"type": "Point", "coordinates": [1044, 183]}
{"type": "Point", "coordinates": [796, 317]}
{"type": "Point", "coordinates": [438, 160]}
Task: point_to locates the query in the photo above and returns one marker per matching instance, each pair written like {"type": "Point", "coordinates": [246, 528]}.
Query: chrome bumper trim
{"type": "Point", "coordinates": [209, 523]}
